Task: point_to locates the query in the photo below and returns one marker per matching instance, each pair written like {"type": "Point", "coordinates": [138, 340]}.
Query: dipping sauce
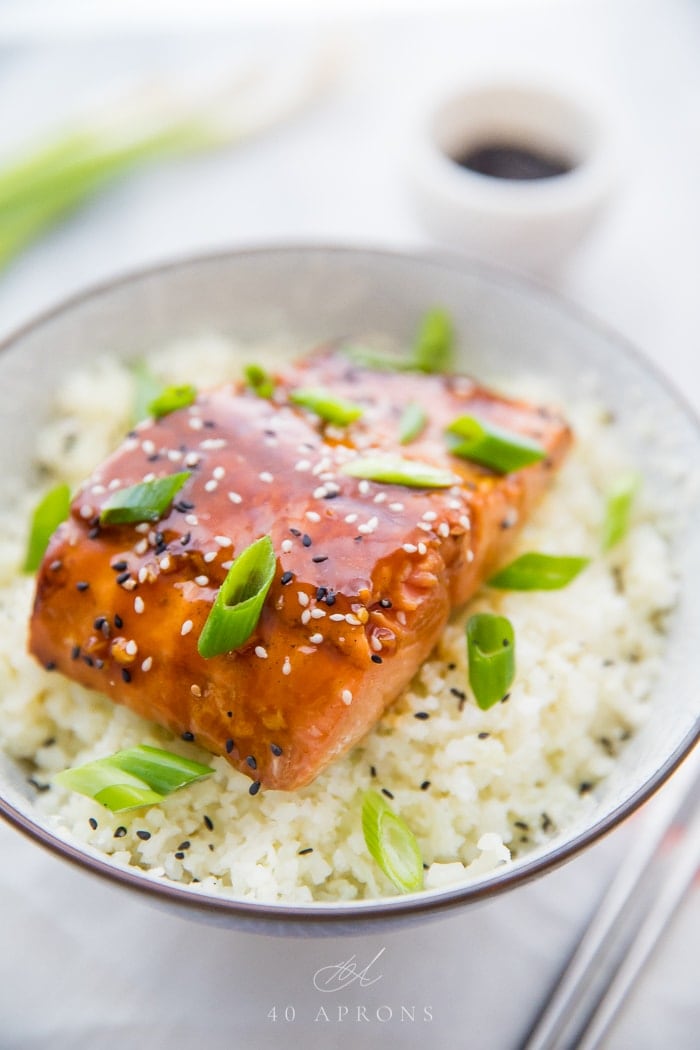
{"type": "Point", "coordinates": [502, 161]}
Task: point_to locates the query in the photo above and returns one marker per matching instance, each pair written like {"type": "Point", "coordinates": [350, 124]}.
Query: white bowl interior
{"type": "Point", "coordinates": [505, 327]}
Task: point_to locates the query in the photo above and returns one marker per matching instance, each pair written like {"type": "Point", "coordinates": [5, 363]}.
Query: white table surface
{"type": "Point", "coordinates": [83, 965]}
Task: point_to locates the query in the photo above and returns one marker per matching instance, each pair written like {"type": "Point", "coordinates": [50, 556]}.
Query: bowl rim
{"type": "Point", "coordinates": [427, 901]}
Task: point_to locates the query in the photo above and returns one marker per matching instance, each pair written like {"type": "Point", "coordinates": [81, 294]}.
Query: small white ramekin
{"type": "Point", "coordinates": [530, 225]}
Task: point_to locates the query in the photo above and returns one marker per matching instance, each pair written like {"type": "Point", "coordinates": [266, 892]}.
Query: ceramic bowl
{"type": "Point", "coordinates": [316, 293]}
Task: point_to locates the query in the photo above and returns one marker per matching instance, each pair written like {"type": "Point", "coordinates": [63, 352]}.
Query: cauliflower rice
{"type": "Point", "coordinates": [478, 788]}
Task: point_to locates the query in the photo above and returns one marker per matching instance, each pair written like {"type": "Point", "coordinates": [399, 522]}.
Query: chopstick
{"type": "Point", "coordinates": [628, 923]}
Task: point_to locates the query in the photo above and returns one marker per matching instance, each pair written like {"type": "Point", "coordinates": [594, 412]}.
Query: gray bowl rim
{"type": "Point", "coordinates": [426, 902]}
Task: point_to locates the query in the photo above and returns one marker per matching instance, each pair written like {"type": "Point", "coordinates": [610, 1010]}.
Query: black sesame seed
{"type": "Point", "coordinates": [88, 660]}
{"type": "Point", "coordinates": [37, 785]}
{"type": "Point", "coordinates": [452, 667]}
{"type": "Point", "coordinates": [209, 424]}
{"type": "Point", "coordinates": [385, 791]}
{"type": "Point", "coordinates": [119, 566]}
{"type": "Point", "coordinates": [584, 787]}
{"type": "Point", "coordinates": [254, 787]}
{"type": "Point", "coordinates": [208, 823]}
{"type": "Point", "coordinates": [321, 592]}
{"type": "Point", "coordinates": [118, 622]}
{"type": "Point", "coordinates": [120, 832]}
{"type": "Point", "coordinates": [153, 458]}
{"type": "Point", "coordinates": [331, 495]}
{"type": "Point", "coordinates": [99, 664]}
{"type": "Point", "coordinates": [179, 855]}
{"type": "Point", "coordinates": [229, 746]}
{"type": "Point", "coordinates": [126, 674]}
{"type": "Point", "coordinates": [425, 785]}
{"type": "Point", "coordinates": [145, 835]}
{"type": "Point", "coordinates": [385, 603]}
{"type": "Point", "coordinates": [189, 737]}
{"type": "Point", "coordinates": [161, 548]}
{"type": "Point", "coordinates": [376, 658]}
{"type": "Point", "coordinates": [94, 532]}
{"type": "Point", "coordinates": [99, 623]}
{"type": "Point", "coordinates": [373, 771]}
{"type": "Point", "coordinates": [546, 822]}
{"type": "Point", "coordinates": [82, 585]}
{"type": "Point", "coordinates": [330, 598]}
{"type": "Point", "coordinates": [483, 736]}
{"type": "Point", "coordinates": [250, 761]}
{"type": "Point", "coordinates": [183, 505]}
{"type": "Point", "coordinates": [93, 823]}
{"type": "Point", "coordinates": [123, 577]}
{"type": "Point", "coordinates": [186, 539]}
{"type": "Point", "coordinates": [295, 532]}
{"type": "Point", "coordinates": [306, 540]}
{"type": "Point", "coordinates": [229, 714]}
{"type": "Point", "coordinates": [303, 852]}
{"type": "Point", "coordinates": [422, 715]}
{"type": "Point", "coordinates": [50, 666]}
{"type": "Point", "coordinates": [521, 824]}
{"type": "Point", "coordinates": [211, 846]}
{"type": "Point", "coordinates": [185, 845]}
{"type": "Point", "coordinates": [318, 558]}
{"type": "Point", "coordinates": [357, 539]}
{"type": "Point", "coordinates": [286, 578]}
{"type": "Point", "coordinates": [159, 538]}
{"type": "Point", "coordinates": [276, 750]}
{"type": "Point", "coordinates": [75, 652]}
{"type": "Point", "coordinates": [458, 693]}
{"type": "Point", "coordinates": [505, 699]}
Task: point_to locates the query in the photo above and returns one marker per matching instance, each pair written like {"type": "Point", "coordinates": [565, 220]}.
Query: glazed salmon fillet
{"type": "Point", "coordinates": [366, 575]}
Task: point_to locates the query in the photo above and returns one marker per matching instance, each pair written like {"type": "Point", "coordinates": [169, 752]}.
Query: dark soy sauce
{"type": "Point", "coordinates": [501, 161]}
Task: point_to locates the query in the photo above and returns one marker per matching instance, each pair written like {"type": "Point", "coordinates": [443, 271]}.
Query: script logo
{"type": "Point", "coordinates": [337, 976]}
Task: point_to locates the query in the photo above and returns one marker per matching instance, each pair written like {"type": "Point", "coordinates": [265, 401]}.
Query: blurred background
{"type": "Point", "coordinates": [133, 133]}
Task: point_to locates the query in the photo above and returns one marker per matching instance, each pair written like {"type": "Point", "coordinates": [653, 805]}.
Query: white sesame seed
{"type": "Point", "coordinates": [174, 455]}
{"type": "Point", "coordinates": [336, 617]}
{"type": "Point", "coordinates": [223, 541]}
{"type": "Point", "coordinates": [320, 493]}
{"type": "Point", "coordinates": [410, 548]}
{"type": "Point", "coordinates": [261, 652]}
{"type": "Point", "coordinates": [195, 423]}
{"type": "Point", "coordinates": [397, 507]}
{"type": "Point", "coordinates": [191, 519]}
{"type": "Point", "coordinates": [286, 546]}
{"type": "Point", "coordinates": [141, 547]}
{"type": "Point", "coordinates": [191, 459]}
{"type": "Point", "coordinates": [195, 690]}
{"type": "Point", "coordinates": [380, 497]}
{"type": "Point", "coordinates": [266, 476]}
{"type": "Point", "coordinates": [114, 483]}
{"type": "Point", "coordinates": [210, 556]}
{"type": "Point", "coordinates": [165, 563]}
{"type": "Point", "coordinates": [470, 555]}
{"type": "Point", "coordinates": [286, 666]}
{"type": "Point", "coordinates": [401, 617]}
{"type": "Point", "coordinates": [129, 585]}
{"type": "Point", "coordinates": [303, 598]}
{"type": "Point", "coordinates": [227, 564]}
{"type": "Point", "coordinates": [429, 515]}
{"type": "Point", "coordinates": [364, 487]}
{"type": "Point", "coordinates": [302, 465]}
{"type": "Point", "coordinates": [211, 485]}
{"type": "Point", "coordinates": [465, 522]}
{"type": "Point", "coordinates": [346, 697]}
{"type": "Point", "coordinates": [351, 518]}
{"type": "Point", "coordinates": [148, 447]}
{"type": "Point", "coordinates": [218, 473]}
{"type": "Point", "coordinates": [327, 476]}
{"type": "Point", "coordinates": [332, 487]}
{"type": "Point", "coordinates": [352, 620]}
{"type": "Point", "coordinates": [143, 574]}
{"type": "Point", "coordinates": [139, 604]}
{"type": "Point", "coordinates": [316, 639]}
{"type": "Point", "coordinates": [318, 614]}
{"type": "Point", "coordinates": [147, 664]}
{"type": "Point", "coordinates": [424, 525]}
{"type": "Point", "coordinates": [306, 616]}
{"type": "Point", "coordinates": [454, 504]}
{"type": "Point", "coordinates": [98, 490]}
{"type": "Point", "coordinates": [422, 549]}
{"type": "Point", "coordinates": [131, 648]}
{"type": "Point", "coordinates": [201, 581]}
{"type": "Point", "coordinates": [213, 443]}
{"type": "Point", "coordinates": [149, 477]}
{"type": "Point", "coordinates": [186, 627]}
{"type": "Point", "coordinates": [235, 497]}
{"type": "Point", "coordinates": [443, 529]}
{"type": "Point", "coordinates": [375, 643]}
{"type": "Point", "coordinates": [312, 515]}
{"type": "Point", "coordinates": [87, 511]}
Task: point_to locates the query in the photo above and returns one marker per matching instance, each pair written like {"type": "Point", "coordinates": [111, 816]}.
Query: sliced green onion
{"type": "Point", "coordinates": [491, 446]}
{"type": "Point", "coordinates": [491, 654]}
{"type": "Point", "coordinates": [51, 510]}
{"type": "Point", "coordinates": [391, 843]}
{"type": "Point", "coordinates": [412, 423]}
{"type": "Point", "coordinates": [259, 381]}
{"type": "Point", "coordinates": [618, 508]}
{"type": "Point", "coordinates": [147, 501]}
{"type": "Point", "coordinates": [172, 398]}
{"type": "Point", "coordinates": [377, 360]}
{"type": "Point", "coordinates": [324, 404]}
{"type": "Point", "coordinates": [538, 572]}
{"type": "Point", "coordinates": [393, 470]}
{"type": "Point", "coordinates": [146, 389]}
{"type": "Point", "coordinates": [139, 776]}
{"type": "Point", "coordinates": [236, 610]}
{"type": "Point", "coordinates": [432, 350]}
